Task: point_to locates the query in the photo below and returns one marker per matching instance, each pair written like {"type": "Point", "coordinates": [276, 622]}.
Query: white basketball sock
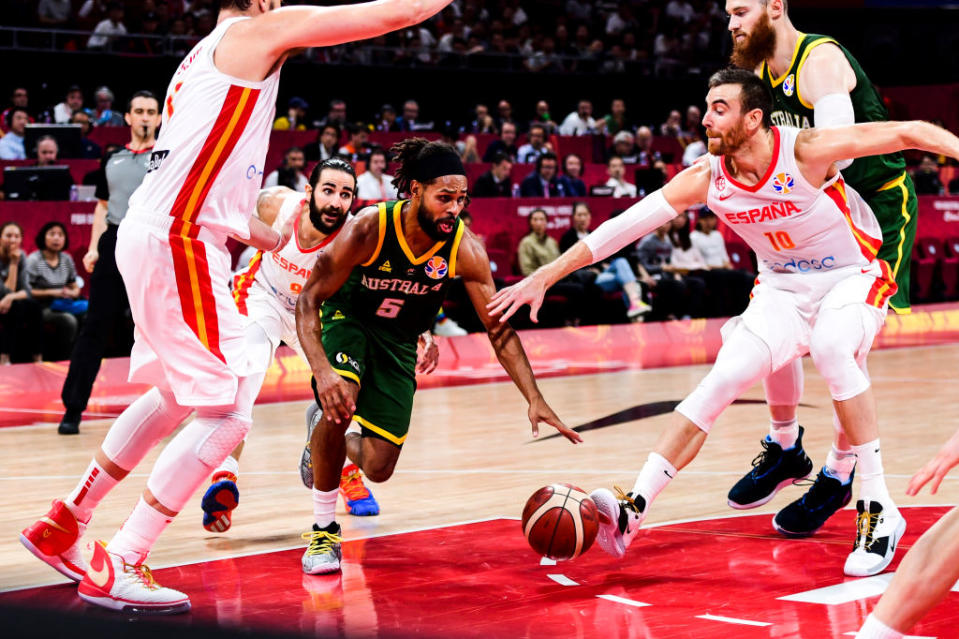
{"type": "Point", "coordinates": [840, 464]}
{"type": "Point", "coordinates": [230, 465]}
{"type": "Point", "coordinates": [657, 472]}
{"type": "Point", "coordinates": [324, 506]}
{"type": "Point", "coordinates": [138, 533]}
{"type": "Point", "coordinates": [875, 629]}
{"type": "Point", "coordinates": [784, 433]}
{"type": "Point", "coordinates": [93, 486]}
{"type": "Point", "coordinates": [873, 487]}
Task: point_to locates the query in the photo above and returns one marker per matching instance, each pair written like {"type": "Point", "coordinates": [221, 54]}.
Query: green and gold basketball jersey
{"type": "Point", "coordinates": [866, 175]}
{"type": "Point", "coordinates": [396, 292]}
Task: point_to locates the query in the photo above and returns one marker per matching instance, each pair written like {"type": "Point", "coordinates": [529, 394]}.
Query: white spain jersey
{"type": "Point", "coordinates": [281, 274]}
{"type": "Point", "coordinates": [792, 226]}
{"type": "Point", "coordinates": [207, 165]}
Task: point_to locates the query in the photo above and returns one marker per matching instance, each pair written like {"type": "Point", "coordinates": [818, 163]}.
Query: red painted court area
{"type": "Point", "coordinates": [730, 577]}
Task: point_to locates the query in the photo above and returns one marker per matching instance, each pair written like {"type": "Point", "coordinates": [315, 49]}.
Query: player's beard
{"type": "Point", "coordinates": [432, 227]}
{"type": "Point", "coordinates": [758, 45]}
{"type": "Point", "coordinates": [729, 142]}
{"type": "Point", "coordinates": [316, 217]}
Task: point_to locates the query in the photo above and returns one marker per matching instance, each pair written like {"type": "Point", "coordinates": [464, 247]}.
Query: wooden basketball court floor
{"type": "Point", "coordinates": [470, 458]}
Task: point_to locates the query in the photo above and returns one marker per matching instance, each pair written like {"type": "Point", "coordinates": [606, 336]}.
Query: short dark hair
{"type": "Point", "coordinates": [571, 155]}
{"type": "Point", "coordinates": [538, 126]}
{"type": "Point", "coordinates": [142, 94]}
{"type": "Point", "coordinates": [548, 155]}
{"type": "Point", "coordinates": [331, 125]}
{"type": "Point", "coordinates": [753, 91]}
{"type": "Point", "coordinates": [378, 150]}
{"type": "Point", "coordinates": [41, 239]}
{"type": "Point", "coordinates": [292, 149]}
{"type": "Point", "coordinates": [14, 110]}
{"type": "Point", "coordinates": [334, 164]}
{"type": "Point", "coordinates": [529, 220]}
{"type": "Point", "coordinates": [501, 157]}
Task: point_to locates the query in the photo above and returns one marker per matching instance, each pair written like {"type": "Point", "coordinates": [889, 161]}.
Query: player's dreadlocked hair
{"type": "Point", "coordinates": [412, 154]}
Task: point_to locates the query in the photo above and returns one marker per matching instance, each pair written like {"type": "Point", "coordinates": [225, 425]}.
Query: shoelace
{"type": "Point", "coordinates": [625, 499]}
{"type": "Point", "coordinates": [352, 485]}
{"type": "Point", "coordinates": [865, 524]}
{"type": "Point", "coordinates": [320, 541]}
{"type": "Point", "coordinates": [762, 458]}
{"type": "Point", "coordinates": [143, 574]}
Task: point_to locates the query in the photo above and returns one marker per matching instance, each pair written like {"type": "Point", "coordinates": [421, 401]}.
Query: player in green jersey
{"type": "Point", "coordinates": [380, 284]}
{"type": "Point", "coordinates": [815, 81]}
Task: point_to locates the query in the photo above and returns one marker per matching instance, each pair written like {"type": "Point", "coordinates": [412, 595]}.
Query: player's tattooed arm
{"type": "Point", "coordinates": [473, 265]}
{"type": "Point", "coordinates": [353, 245]}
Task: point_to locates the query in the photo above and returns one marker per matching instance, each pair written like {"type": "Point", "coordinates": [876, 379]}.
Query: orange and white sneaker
{"type": "Point", "coordinates": [359, 500]}
{"type": "Point", "coordinates": [55, 539]}
{"type": "Point", "coordinates": [112, 583]}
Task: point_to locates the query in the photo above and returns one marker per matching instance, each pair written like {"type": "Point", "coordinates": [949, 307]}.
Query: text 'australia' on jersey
{"type": "Point", "coordinates": [395, 291]}
{"type": "Point", "coordinates": [793, 226]}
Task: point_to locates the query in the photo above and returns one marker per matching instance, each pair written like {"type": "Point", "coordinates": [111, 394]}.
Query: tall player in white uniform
{"type": "Point", "coordinates": [820, 288]}
{"type": "Point", "coordinates": [171, 251]}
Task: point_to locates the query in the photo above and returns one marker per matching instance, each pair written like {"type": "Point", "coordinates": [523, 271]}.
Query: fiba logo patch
{"type": "Point", "coordinates": [436, 268]}
{"type": "Point", "coordinates": [789, 85]}
{"type": "Point", "coordinates": [783, 183]}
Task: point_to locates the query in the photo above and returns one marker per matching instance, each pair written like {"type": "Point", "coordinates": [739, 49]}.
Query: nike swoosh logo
{"type": "Point", "coordinates": [99, 576]}
{"type": "Point", "coordinates": [54, 524]}
{"type": "Point", "coordinates": [866, 270]}
{"type": "Point", "coordinates": [721, 198]}
{"type": "Point", "coordinates": [115, 162]}
{"type": "Point", "coordinates": [666, 472]}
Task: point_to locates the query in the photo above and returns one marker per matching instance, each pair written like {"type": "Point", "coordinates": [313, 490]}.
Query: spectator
{"type": "Point", "coordinates": [11, 144]}
{"type": "Point", "coordinates": [104, 114]}
{"type": "Point", "coordinates": [538, 249]}
{"type": "Point", "coordinates": [624, 146]}
{"type": "Point", "coordinates": [544, 57]}
{"type": "Point", "coordinates": [468, 150]}
{"type": "Point", "coordinates": [572, 178]}
{"type": "Point", "coordinates": [149, 40]}
{"type": "Point", "coordinates": [616, 120]}
{"type": "Point", "coordinates": [89, 150]}
{"type": "Point", "coordinates": [506, 144]}
{"type": "Point", "coordinates": [327, 144]}
{"type": "Point", "coordinates": [374, 183]}
{"type": "Point", "coordinates": [295, 118]}
{"type": "Point", "coordinates": [620, 20]}
{"type": "Point", "coordinates": [336, 114]}
{"type": "Point", "coordinates": [535, 146]}
{"type": "Point", "coordinates": [692, 127]}
{"type": "Point", "coordinates": [729, 288]}
{"type": "Point", "coordinates": [580, 121]}
{"type": "Point", "coordinates": [411, 118]}
{"type": "Point", "coordinates": [387, 119]}
{"type": "Point", "coordinates": [616, 170]}
{"type": "Point", "coordinates": [543, 118]}
{"type": "Point", "coordinates": [107, 29]}
{"type": "Point", "coordinates": [504, 112]}
{"type": "Point", "coordinates": [20, 321]}
{"type": "Point", "coordinates": [926, 177]}
{"type": "Point", "coordinates": [495, 182]}
{"type": "Point", "coordinates": [54, 13]}
{"type": "Point", "coordinates": [672, 127]}
{"type": "Point", "coordinates": [53, 282]}
{"type": "Point", "coordinates": [47, 150]}
{"type": "Point", "coordinates": [482, 123]}
{"type": "Point", "coordinates": [688, 265]}
{"type": "Point", "coordinates": [680, 10]}
{"type": "Point", "coordinates": [669, 293]}
{"type": "Point", "coordinates": [19, 98]}
{"type": "Point", "coordinates": [543, 182]}
{"type": "Point", "coordinates": [579, 11]}
{"type": "Point", "coordinates": [358, 147]}
{"type": "Point", "coordinates": [644, 148]}
{"type": "Point", "coordinates": [73, 102]}
{"type": "Point", "coordinates": [291, 172]}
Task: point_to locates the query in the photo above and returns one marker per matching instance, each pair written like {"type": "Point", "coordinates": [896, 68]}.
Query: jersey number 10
{"type": "Point", "coordinates": [780, 240]}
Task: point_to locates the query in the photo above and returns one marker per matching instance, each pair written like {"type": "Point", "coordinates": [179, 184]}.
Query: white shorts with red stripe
{"type": "Point", "coordinates": [264, 310]}
{"type": "Point", "coordinates": [785, 306]}
{"type": "Point", "coordinates": [189, 336]}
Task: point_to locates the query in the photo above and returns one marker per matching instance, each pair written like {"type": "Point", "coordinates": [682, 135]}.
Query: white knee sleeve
{"type": "Point", "coordinates": [839, 345]}
{"type": "Point", "coordinates": [784, 387]}
{"type": "Point", "coordinates": [743, 360]}
{"type": "Point", "coordinates": [145, 422]}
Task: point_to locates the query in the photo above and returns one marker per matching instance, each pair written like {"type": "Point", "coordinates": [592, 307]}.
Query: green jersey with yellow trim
{"type": "Point", "coordinates": [866, 175]}
{"type": "Point", "coordinates": [394, 291]}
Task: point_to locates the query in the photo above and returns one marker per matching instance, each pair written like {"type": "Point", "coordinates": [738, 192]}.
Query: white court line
{"type": "Point", "coordinates": [563, 580]}
{"type": "Point", "coordinates": [741, 622]}
{"type": "Point", "coordinates": [546, 561]}
{"type": "Point", "coordinates": [624, 600]}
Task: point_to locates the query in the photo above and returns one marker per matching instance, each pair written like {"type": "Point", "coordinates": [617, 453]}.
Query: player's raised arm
{"type": "Point", "coordinates": [817, 149]}
{"type": "Point", "coordinates": [685, 190]}
{"type": "Point", "coordinates": [473, 266]}
{"type": "Point", "coordinates": [352, 246]}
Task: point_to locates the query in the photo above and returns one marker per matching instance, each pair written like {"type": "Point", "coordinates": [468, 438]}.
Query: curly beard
{"type": "Point", "coordinates": [758, 45]}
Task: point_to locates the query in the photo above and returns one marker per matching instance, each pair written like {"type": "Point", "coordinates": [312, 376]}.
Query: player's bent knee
{"type": "Point", "coordinates": [835, 347]}
{"type": "Point", "coordinates": [378, 470]}
{"type": "Point", "coordinates": [220, 441]}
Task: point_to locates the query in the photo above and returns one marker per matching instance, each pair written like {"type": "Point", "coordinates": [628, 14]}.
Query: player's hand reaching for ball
{"type": "Point", "coordinates": [936, 468]}
{"type": "Point", "coordinates": [531, 290]}
{"type": "Point", "coordinates": [335, 395]}
{"type": "Point", "coordinates": [539, 411]}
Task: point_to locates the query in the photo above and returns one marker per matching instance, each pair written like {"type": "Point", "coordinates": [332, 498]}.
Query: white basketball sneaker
{"type": "Point", "coordinates": [623, 514]}
{"type": "Point", "coordinates": [112, 583]}
{"type": "Point", "coordinates": [878, 531]}
{"type": "Point", "coordinates": [323, 554]}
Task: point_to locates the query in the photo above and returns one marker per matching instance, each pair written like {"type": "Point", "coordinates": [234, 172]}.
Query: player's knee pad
{"type": "Point", "coordinates": [743, 360]}
{"type": "Point", "coordinates": [839, 345]}
{"type": "Point", "coordinates": [784, 387]}
{"type": "Point", "coordinates": [153, 416]}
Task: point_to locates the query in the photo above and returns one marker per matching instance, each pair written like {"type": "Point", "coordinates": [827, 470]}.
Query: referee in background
{"type": "Point", "coordinates": [121, 174]}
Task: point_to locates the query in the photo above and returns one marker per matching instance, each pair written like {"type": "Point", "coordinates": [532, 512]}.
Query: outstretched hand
{"type": "Point", "coordinates": [539, 411]}
{"type": "Point", "coordinates": [936, 468]}
{"type": "Point", "coordinates": [505, 302]}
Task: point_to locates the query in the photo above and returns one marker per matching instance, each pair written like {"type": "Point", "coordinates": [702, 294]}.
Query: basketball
{"type": "Point", "coordinates": [560, 521]}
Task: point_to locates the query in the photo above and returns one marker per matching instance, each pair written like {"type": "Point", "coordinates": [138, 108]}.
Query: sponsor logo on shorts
{"type": "Point", "coordinates": [343, 358]}
{"type": "Point", "coordinates": [156, 159]}
{"type": "Point", "coordinates": [802, 265]}
{"type": "Point", "coordinates": [783, 183]}
{"type": "Point", "coordinates": [789, 85]}
{"type": "Point", "coordinates": [436, 268]}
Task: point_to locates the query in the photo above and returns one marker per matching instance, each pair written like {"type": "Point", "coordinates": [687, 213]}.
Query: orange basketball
{"type": "Point", "coordinates": [560, 521]}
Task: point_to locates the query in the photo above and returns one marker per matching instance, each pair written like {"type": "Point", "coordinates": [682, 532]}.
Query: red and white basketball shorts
{"type": "Point", "coordinates": [278, 322]}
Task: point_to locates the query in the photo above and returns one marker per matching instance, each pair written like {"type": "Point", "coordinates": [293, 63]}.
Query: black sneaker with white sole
{"type": "Point", "coordinates": [773, 469]}
{"type": "Point", "coordinates": [807, 514]}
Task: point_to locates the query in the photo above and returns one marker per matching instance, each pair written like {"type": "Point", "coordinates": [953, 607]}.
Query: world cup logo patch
{"type": "Point", "coordinates": [783, 183]}
{"type": "Point", "coordinates": [789, 85]}
{"type": "Point", "coordinates": [436, 268]}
